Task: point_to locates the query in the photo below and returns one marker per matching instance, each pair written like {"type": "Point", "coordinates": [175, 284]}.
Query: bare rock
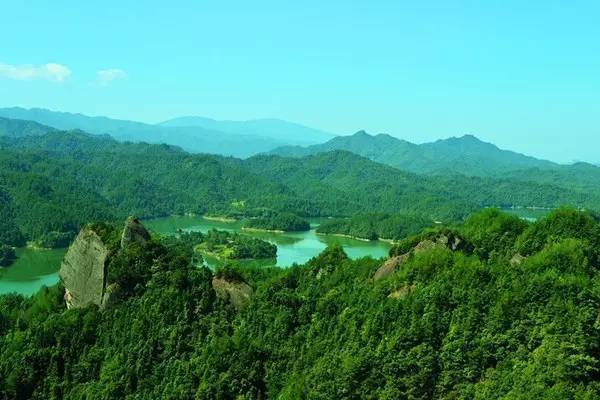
{"type": "Point", "coordinates": [402, 292]}
{"type": "Point", "coordinates": [517, 259]}
{"type": "Point", "coordinates": [425, 245]}
{"type": "Point", "coordinates": [83, 270]}
{"type": "Point", "coordinates": [134, 232]}
{"type": "Point", "coordinates": [389, 267]}
{"type": "Point", "coordinates": [238, 294]}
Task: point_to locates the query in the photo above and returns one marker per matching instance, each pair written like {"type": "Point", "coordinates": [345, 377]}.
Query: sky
{"type": "Point", "coordinates": [524, 75]}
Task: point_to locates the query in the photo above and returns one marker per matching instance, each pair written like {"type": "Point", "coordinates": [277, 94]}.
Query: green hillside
{"type": "Point", "coordinates": [466, 155]}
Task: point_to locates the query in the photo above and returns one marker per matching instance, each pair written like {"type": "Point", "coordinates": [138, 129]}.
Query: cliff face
{"type": "Point", "coordinates": [83, 270]}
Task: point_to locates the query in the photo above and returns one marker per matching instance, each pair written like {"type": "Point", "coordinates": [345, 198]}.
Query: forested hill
{"type": "Point", "coordinates": [348, 176]}
{"type": "Point", "coordinates": [19, 127]}
{"type": "Point", "coordinates": [466, 155]}
{"type": "Point", "coordinates": [58, 181]}
{"type": "Point", "coordinates": [493, 309]}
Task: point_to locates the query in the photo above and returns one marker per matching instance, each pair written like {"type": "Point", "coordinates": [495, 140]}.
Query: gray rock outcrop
{"type": "Point", "coordinates": [134, 232]}
{"type": "Point", "coordinates": [238, 294]}
{"type": "Point", "coordinates": [389, 267]}
{"type": "Point", "coordinates": [438, 241]}
{"type": "Point", "coordinates": [83, 270]}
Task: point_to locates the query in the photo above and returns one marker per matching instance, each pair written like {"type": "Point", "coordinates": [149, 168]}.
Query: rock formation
{"type": "Point", "coordinates": [237, 293]}
{"type": "Point", "coordinates": [83, 270]}
{"type": "Point", "coordinates": [389, 267]}
{"type": "Point", "coordinates": [134, 232]}
{"type": "Point", "coordinates": [440, 240]}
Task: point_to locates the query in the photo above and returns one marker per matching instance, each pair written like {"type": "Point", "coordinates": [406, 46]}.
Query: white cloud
{"type": "Point", "coordinates": [51, 72]}
{"type": "Point", "coordinates": [105, 76]}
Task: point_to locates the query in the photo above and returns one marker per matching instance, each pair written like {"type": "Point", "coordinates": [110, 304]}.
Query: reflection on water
{"type": "Point", "coordinates": [32, 270]}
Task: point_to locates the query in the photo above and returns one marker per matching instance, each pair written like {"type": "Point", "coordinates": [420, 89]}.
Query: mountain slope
{"type": "Point", "coordinates": [18, 128]}
{"type": "Point", "coordinates": [466, 155]}
{"type": "Point", "coordinates": [376, 187]}
{"type": "Point", "coordinates": [276, 129]}
{"type": "Point", "coordinates": [58, 181]}
{"type": "Point", "coordinates": [193, 139]}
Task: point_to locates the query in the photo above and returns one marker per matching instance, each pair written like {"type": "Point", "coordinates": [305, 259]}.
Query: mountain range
{"type": "Point", "coordinates": [193, 134]}
{"type": "Point", "coordinates": [466, 155]}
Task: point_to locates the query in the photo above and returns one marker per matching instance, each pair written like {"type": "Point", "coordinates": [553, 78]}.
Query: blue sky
{"type": "Point", "coordinates": [524, 75]}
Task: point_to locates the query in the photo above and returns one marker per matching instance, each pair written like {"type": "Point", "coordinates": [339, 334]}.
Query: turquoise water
{"type": "Point", "coordinates": [32, 270]}
{"type": "Point", "coordinates": [292, 247]}
{"type": "Point", "coordinates": [529, 214]}
{"type": "Point", "coordinates": [36, 268]}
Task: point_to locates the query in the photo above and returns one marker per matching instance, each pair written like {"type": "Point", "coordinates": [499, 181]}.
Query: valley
{"type": "Point", "coordinates": [410, 282]}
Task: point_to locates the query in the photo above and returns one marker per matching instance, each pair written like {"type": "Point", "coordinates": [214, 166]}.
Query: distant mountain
{"type": "Point", "coordinates": [63, 179]}
{"type": "Point", "coordinates": [20, 128]}
{"type": "Point", "coordinates": [194, 139]}
{"type": "Point", "coordinates": [466, 155]}
{"type": "Point", "coordinates": [277, 129]}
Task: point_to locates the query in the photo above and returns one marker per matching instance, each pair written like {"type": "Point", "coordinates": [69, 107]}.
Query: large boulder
{"type": "Point", "coordinates": [134, 232]}
{"type": "Point", "coordinates": [83, 270]}
{"type": "Point", "coordinates": [238, 293]}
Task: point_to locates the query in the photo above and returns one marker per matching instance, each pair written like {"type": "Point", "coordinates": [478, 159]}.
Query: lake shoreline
{"type": "Point", "coordinates": [390, 241]}
{"type": "Point", "coordinates": [219, 219]}
{"type": "Point", "coordinates": [264, 230]}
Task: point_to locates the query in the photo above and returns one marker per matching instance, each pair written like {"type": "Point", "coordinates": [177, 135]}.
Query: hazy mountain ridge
{"type": "Point", "coordinates": [277, 129]}
{"type": "Point", "coordinates": [19, 128]}
{"type": "Point", "coordinates": [194, 138]}
{"type": "Point", "coordinates": [466, 155]}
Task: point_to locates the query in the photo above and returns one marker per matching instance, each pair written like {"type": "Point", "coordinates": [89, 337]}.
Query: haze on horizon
{"type": "Point", "coordinates": [522, 76]}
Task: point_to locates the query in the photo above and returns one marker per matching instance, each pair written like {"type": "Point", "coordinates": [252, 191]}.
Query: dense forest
{"type": "Point", "coordinates": [53, 184]}
{"type": "Point", "coordinates": [373, 226]}
{"type": "Point", "coordinates": [463, 318]}
{"type": "Point", "coordinates": [284, 222]}
{"type": "Point", "coordinates": [233, 246]}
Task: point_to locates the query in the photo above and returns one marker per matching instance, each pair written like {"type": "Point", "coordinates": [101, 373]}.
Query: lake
{"type": "Point", "coordinates": [32, 270]}
{"type": "Point", "coordinates": [529, 214]}
{"type": "Point", "coordinates": [35, 268]}
{"type": "Point", "coordinates": [292, 247]}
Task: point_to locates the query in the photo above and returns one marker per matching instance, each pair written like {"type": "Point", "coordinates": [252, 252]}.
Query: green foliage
{"type": "Point", "coordinates": [493, 232]}
{"type": "Point", "coordinates": [375, 226]}
{"type": "Point", "coordinates": [7, 255]}
{"type": "Point", "coordinates": [233, 246]}
{"type": "Point", "coordinates": [54, 240]}
{"type": "Point", "coordinates": [20, 128]}
{"type": "Point", "coordinates": [465, 155]}
{"type": "Point", "coordinates": [451, 235]}
{"type": "Point", "coordinates": [446, 325]}
{"type": "Point", "coordinates": [9, 231]}
{"type": "Point", "coordinates": [561, 224]}
{"type": "Point", "coordinates": [286, 222]}
{"type": "Point", "coordinates": [59, 181]}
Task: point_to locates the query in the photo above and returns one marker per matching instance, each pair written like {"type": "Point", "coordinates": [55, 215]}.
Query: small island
{"type": "Point", "coordinates": [283, 222]}
{"type": "Point", "coordinates": [233, 246]}
{"type": "Point", "coordinates": [375, 226]}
